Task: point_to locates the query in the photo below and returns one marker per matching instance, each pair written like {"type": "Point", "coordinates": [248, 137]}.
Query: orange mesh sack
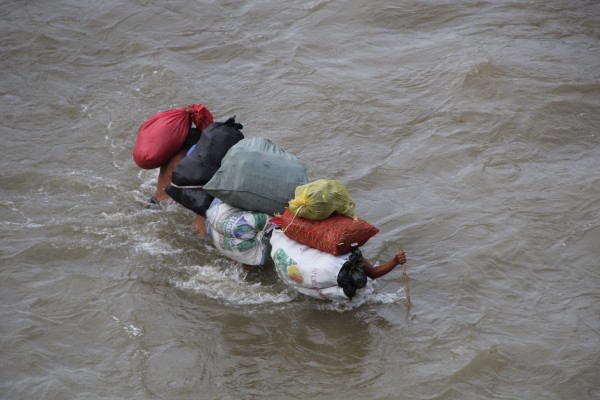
{"type": "Point", "coordinates": [334, 235]}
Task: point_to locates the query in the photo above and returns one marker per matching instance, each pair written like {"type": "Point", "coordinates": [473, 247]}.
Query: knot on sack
{"type": "Point", "coordinates": [298, 202]}
{"type": "Point", "coordinates": [199, 115]}
{"type": "Point", "coordinates": [231, 122]}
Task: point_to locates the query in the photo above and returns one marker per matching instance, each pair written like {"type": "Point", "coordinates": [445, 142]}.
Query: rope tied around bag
{"type": "Point", "coordinates": [292, 221]}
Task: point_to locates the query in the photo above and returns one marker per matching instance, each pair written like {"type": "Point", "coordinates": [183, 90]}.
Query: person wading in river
{"type": "Point", "coordinates": [165, 175]}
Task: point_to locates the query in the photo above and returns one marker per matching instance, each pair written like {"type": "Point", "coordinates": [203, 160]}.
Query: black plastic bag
{"type": "Point", "coordinates": [352, 275]}
{"type": "Point", "coordinates": [200, 165]}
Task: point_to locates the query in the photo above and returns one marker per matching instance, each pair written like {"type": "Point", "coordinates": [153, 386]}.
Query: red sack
{"type": "Point", "coordinates": [161, 136]}
{"type": "Point", "coordinates": [334, 234]}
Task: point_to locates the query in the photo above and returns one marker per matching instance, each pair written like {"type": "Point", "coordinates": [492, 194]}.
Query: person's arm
{"type": "Point", "coordinates": [165, 175]}
{"type": "Point", "coordinates": [379, 271]}
{"type": "Point", "coordinates": [199, 225]}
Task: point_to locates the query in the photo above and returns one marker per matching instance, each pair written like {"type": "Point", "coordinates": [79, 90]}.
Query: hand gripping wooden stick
{"type": "Point", "coordinates": [406, 290]}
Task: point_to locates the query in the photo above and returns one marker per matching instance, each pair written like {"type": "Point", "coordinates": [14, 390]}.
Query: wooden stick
{"type": "Point", "coordinates": [406, 290]}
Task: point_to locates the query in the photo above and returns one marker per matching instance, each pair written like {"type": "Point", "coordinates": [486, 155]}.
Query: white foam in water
{"type": "Point", "coordinates": [87, 177]}
{"type": "Point", "coordinates": [364, 296]}
{"type": "Point", "coordinates": [131, 329]}
{"type": "Point", "coordinates": [229, 284]}
{"type": "Point", "coordinates": [28, 224]}
{"type": "Point", "coordinates": [148, 179]}
{"type": "Point", "coordinates": [157, 247]}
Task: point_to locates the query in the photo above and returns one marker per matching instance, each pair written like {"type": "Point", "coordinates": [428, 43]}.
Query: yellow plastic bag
{"type": "Point", "coordinates": [319, 199]}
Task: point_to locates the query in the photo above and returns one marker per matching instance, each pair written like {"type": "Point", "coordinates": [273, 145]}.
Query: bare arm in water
{"type": "Point", "coordinates": [165, 175]}
{"type": "Point", "coordinates": [199, 225]}
{"type": "Point", "coordinates": [379, 271]}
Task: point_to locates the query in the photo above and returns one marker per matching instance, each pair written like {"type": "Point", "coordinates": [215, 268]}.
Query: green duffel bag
{"type": "Point", "coordinates": [257, 175]}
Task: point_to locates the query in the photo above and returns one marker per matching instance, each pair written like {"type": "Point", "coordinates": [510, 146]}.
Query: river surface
{"type": "Point", "coordinates": [468, 132]}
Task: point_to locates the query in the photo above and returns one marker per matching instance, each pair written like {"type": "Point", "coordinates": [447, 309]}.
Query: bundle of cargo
{"type": "Point", "coordinates": [256, 179]}
{"type": "Point", "coordinates": [315, 248]}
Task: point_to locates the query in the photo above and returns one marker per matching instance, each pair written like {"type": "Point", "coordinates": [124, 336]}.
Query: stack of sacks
{"type": "Point", "coordinates": [255, 181]}
{"type": "Point", "coordinates": [315, 249]}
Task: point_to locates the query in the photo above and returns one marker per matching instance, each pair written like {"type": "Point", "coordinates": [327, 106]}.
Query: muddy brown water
{"type": "Point", "coordinates": [467, 132]}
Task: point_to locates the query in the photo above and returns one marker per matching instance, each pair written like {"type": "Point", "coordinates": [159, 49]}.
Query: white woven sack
{"type": "Point", "coordinates": [239, 234]}
{"type": "Point", "coordinates": [303, 267]}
